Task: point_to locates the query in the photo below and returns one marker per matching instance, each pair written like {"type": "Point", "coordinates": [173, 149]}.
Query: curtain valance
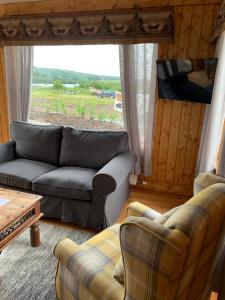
{"type": "Point", "coordinates": [98, 27]}
{"type": "Point", "coordinates": [219, 23]}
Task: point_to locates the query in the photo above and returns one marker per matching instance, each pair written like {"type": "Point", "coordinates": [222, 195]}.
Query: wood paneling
{"type": "Point", "coordinates": [4, 132]}
{"type": "Point", "coordinates": [51, 6]}
{"type": "Point", "coordinates": [178, 125]}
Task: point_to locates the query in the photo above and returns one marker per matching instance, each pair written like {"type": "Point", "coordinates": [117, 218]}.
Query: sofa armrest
{"type": "Point", "coordinates": [110, 188]}
{"type": "Point", "coordinates": [137, 209]}
{"type": "Point", "coordinates": [7, 151]}
{"type": "Point", "coordinates": [107, 179]}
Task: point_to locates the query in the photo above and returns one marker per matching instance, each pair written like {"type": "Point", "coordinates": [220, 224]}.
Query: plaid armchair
{"type": "Point", "coordinates": [164, 257]}
{"type": "Point", "coordinates": [203, 180]}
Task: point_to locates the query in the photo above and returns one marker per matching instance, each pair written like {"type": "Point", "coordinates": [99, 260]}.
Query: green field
{"type": "Point", "coordinates": [74, 105]}
{"type": "Point", "coordinates": [74, 101]}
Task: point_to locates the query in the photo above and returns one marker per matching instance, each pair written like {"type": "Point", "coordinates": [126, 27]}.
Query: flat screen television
{"type": "Point", "coordinates": [186, 79]}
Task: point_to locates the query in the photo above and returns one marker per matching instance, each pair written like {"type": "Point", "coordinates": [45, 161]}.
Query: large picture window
{"type": "Point", "coordinates": [77, 86]}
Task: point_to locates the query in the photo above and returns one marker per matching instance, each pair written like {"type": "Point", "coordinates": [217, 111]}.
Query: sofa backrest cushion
{"type": "Point", "coordinates": [37, 142]}
{"type": "Point", "coordinates": [91, 149]}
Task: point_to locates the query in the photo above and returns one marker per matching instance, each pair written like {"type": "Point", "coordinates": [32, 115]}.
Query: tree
{"type": "Point", "coordinates": [57, 85]}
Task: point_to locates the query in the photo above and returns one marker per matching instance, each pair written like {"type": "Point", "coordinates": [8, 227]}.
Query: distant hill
{"type": "Point", "coordinates": [45, 75]}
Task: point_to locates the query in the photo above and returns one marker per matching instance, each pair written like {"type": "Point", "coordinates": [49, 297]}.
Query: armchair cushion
{"type": "Point", "coordinates": [67, 182]}
{"type": "Point", "coordinates": [203, 180]}
{"type": "Point", "coordinates": [137, 209]}
{"type": "Point", "coordinates": [21, 172]}
{"type": "Point", "coordinates": [119, 270]}
{"type": "Point", "coordinates": [91, 149]}
{"type": "Point", "coordinates": [37, 142]}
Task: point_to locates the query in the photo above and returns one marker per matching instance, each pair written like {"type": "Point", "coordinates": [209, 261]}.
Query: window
{"type": "Point", "coordinates": [77, 86]}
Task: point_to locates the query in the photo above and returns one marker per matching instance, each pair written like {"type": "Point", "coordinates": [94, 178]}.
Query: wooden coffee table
{"type": "Point", "coordinates": [18, 211]}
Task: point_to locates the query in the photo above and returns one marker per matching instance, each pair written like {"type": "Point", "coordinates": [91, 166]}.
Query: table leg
{"type": "Point", "coordinates": [35, 235]}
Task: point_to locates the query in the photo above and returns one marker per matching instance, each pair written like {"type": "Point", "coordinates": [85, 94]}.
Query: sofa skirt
{"type": "Point", "coordinates": [82, 213]}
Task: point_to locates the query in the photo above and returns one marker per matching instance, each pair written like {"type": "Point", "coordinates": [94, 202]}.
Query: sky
{"type": "Point", "coordinates": [91, 59]}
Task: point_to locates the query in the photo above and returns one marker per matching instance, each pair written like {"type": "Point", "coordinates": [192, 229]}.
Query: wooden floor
{"type": "Point", "coordinates": [160, 202]}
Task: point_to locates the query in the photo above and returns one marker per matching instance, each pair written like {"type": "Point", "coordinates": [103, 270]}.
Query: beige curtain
{"type": "Point", "coordinates": [214, 118]}
{"type": "Point", "coordinates": [138, 78]}
{"type": "Point", "coordinates": [220, 163]}
{"type": "Point", "coordinates": [19, 64]}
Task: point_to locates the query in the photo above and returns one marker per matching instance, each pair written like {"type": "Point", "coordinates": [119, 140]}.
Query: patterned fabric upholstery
{"type": "Point", "coordinates": [137, 209]}
{"type": "Point", "coordinates": [194, 230]}
{"type": "Point", "coordinates": [170, 261]}
{"type": "Point", "coordinates": [203, 180]}
{"type": "Point", "coordinates": [86, 271]}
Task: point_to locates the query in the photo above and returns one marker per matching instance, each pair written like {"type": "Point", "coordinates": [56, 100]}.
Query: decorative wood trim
{"type": "Point", "coordinates": [99, 27]}
{"type": "Point", "coordinates": [12, 227]}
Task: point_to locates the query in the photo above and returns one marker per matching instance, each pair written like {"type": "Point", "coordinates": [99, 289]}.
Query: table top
{"type": "Point", "coordinates": [14, 204]}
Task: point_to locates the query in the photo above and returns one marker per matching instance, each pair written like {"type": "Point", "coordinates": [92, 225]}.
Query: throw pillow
{"type": "Point", "coordinates": [119, 271]}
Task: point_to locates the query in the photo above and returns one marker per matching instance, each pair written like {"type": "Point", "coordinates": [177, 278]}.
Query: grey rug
{"type": "Point", "coordinates": [27, 272]}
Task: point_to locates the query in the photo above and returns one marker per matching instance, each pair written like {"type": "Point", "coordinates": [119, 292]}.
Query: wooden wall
{"type": "Point", "coordinates": [4, 133]}
{"type": "Point", "coordinates": [177, 125]}
{"type": "Point", "coordinates": [51, 6]}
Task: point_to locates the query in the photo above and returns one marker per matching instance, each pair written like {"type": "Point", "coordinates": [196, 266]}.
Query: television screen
{"type": "Point", "coordinates": [187, 79]}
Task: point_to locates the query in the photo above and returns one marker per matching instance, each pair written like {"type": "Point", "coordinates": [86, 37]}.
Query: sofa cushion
{"type": "Point", "coordinates": [66, 182]}
{"type": "Point", "coordinates": [91, 149]}
{"type": "Point", "coordinates": [37, 142]}
{"type": "Point", "coordinates": [21, 172]}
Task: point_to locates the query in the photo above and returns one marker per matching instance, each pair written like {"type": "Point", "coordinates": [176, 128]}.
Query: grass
{"type": "Point", "coordinates": [75, 101]}
{"type": "Point", "coordinates": [82, 96]}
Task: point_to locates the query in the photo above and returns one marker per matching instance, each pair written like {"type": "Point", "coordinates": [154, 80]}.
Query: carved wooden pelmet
{"type": "Point", "coordinates": [99, 27]}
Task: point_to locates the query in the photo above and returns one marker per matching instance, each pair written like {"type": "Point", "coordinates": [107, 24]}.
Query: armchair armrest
{"type": "Point", "coordinates": [150, 254]}
{"type": "Point", "coordinates": [65, 249]}
{"type": "Point", "coordinates": [137, 209]}
{"type": "Point", "coordinates": [107, 179]}
{"type": "Point", "coordinates": [7, 151]}
{"type": "Point", "coordinates": [83, 264]}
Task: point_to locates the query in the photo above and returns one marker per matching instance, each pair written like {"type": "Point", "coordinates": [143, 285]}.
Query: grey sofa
{"type": "Point", "coordinates": [83, 176]}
